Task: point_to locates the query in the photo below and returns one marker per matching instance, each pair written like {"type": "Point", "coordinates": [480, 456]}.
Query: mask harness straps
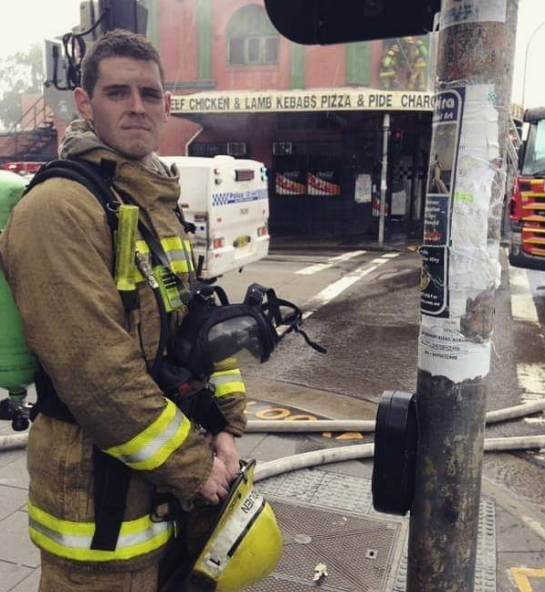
{"type": "Point", "coordinates": [271, 309]}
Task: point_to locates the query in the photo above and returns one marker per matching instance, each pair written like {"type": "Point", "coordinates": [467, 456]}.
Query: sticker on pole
{"type": "Point", "coordinates": [447, 118]}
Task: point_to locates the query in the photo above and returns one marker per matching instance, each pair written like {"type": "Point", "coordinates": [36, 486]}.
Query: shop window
{"type": "Point", "coordinates": [327, 120]}
{"type": "Point", "coordinates": [237, 149]}
{"type": "Point", "coordinates": [252, 40]}
{"type": "Point", "coordinates": [207, 148]}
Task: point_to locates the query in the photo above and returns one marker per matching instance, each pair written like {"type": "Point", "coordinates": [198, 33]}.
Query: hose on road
{"type": "Point", "coordinates": [15, 441]}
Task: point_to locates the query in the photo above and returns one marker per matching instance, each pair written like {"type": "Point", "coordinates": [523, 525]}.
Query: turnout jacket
{"type": "Point", "coordinates": [58, 257]}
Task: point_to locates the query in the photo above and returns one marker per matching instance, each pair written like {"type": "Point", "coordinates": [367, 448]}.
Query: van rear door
{"type": "Point", "coordinates": [227, 200]}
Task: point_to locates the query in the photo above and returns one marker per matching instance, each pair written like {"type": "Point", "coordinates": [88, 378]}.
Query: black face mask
{"type": "Point", "coordinates": [215, 330]}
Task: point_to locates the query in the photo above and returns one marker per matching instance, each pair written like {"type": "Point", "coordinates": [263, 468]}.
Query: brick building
{"type": "Point", "coordinates": [317, 116]}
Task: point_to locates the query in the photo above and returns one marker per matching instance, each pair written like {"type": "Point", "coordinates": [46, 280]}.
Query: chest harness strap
{"type": "Point", "coordinates": [111, 476]}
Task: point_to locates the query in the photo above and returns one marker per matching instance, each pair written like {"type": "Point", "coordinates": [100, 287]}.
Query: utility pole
{"type": "Point", "coordinates": [460, 275]}
{"type": "Point", "coordinates": [384, 176]}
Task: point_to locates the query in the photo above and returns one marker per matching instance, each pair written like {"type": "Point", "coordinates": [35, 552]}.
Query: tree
{"type": "Point", "coordinates": [20, 73]}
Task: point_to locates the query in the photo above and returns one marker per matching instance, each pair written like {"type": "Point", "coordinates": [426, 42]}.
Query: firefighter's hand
{"type": "Point", "coordinates": [225, 448]}
{"type": "Point", "coordinates": [216, 487]}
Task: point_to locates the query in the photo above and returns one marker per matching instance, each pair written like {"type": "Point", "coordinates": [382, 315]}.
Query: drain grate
{"type": "Point", "coordinates": [328, 517]}
{"type": "Point", "coordinates": [356, 551]}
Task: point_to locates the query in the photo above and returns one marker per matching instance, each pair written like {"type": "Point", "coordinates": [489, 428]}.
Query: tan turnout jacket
{"type": "Point", "coordinates": [58, 257]}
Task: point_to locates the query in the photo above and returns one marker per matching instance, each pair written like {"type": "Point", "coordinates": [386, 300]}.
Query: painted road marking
{"type": "Point", "coordinates": [522, 302]}
{"type": "Point", "coordinates": [330, 263]}
{"type": "Point", "coordinates": [522, 576]}
{"type": "Point", "coordinates": [338, 287]}
{"type": "Point", "coordinates": [530, 377]}
{"type": "Point", "coordinates": [535, 525]}
{"type": "Point", "coordinates": [267, 411]}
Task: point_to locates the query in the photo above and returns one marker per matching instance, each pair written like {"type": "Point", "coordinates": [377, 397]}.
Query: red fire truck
{"type": "Point", "coordinates": [527, 205]}
{"type": "Point", "coordinates": [23, 168]}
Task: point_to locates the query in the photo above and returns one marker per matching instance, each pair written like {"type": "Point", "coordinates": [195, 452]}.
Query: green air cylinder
{"type": "Point", "coordinates": [17, 365]}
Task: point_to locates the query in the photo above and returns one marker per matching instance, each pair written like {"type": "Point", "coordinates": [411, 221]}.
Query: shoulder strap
{"type": "Point", "coordinates": [91, 176]}
{"type": "Point", "coordinates": [111, 477]}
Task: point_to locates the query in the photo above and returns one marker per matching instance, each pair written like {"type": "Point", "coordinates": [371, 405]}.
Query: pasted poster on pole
{"type": "Point", "coordinates": [447, 119]}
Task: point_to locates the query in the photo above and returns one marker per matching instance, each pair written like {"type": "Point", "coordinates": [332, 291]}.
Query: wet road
{"type": "Point", "coordinates": [364, 308]}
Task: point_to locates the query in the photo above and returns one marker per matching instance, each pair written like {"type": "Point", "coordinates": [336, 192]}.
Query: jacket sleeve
{"type": "Point", "coordinates": [58, 258]}
{"type": "Point", "coordinates": [230, 394]}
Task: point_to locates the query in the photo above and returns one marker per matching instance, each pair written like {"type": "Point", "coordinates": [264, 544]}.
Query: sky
{"type": "Point", "coordinates": [32, 21]}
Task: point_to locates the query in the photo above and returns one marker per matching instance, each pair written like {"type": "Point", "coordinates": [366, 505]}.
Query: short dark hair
{"type": "Point", "coordinates": [116, 43]}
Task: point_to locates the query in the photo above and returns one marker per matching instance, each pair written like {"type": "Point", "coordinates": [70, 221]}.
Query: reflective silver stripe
{"type": "Point", "coordinates": [226, 382]}
{"type": "Point", "coordinates": [151, 448]}
{"type": "Point", "coordinates": [72, 540]}
{"type": "Point", "coordinates": [178, 253]}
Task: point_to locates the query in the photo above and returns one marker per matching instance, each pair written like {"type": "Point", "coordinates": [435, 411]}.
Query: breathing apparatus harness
{"type": "Point", "coordinates": [212, 330]}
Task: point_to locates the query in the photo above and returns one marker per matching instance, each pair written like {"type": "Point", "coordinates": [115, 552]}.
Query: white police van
{"type": "Point", "coordinates": [227, 199]}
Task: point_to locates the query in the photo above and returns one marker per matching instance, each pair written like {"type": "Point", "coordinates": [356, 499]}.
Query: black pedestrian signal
{"type": "Point", "coordinates": [323, 22]}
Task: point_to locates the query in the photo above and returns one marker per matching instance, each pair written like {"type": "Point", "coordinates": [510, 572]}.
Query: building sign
{"type": "Point", "coordinates": [338, 99]}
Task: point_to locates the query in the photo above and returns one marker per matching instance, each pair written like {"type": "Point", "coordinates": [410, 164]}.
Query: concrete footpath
{"type": "Point", "coordinates": [325, 512]}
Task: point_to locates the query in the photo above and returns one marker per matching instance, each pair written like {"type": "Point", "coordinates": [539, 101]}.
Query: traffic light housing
{"type": "Point", "coordinates": [323, 22]}
{"type": "Point", "coordinates": [123, 14]}
{"type": "Point", "coordinates": [397, 141]}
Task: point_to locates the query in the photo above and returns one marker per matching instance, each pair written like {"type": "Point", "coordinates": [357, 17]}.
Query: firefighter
{"type": "Point", "coordinates": [417, 58]}
{"type": "Point", "coordinates": [389, 66]}
{"type": "Point", "coordinates": [102, 415]}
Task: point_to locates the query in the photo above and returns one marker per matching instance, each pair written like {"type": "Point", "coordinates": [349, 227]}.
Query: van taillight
{"type": "Point", "coordinates": [262, 231]}
{"type": "Point", "coordinates": [218, 243]}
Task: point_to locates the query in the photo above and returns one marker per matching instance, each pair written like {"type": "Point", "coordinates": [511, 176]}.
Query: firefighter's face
{"type": "Point", "coordinates": [129, 107]}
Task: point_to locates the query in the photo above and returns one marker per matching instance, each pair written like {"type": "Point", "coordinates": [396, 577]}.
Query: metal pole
{"type": "Point", "coordinates": [460, 275]}
{"type": "Point", "coordinates": [383, 175]}
{"type": "Point", "coordinates": [526, 60]}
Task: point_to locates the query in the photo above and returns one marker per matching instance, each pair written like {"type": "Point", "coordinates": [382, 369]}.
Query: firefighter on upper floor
{"type": "Point", "coordinates": [389, 68]}
{"type": "Point", "coordinates": [417, 59]}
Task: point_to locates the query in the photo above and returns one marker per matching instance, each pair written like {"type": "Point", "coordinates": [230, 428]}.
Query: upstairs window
{"type": "Point", "coordinates": [252, 40]}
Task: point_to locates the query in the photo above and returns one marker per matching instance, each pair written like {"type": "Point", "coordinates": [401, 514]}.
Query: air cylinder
{"type": "Point", "coordinates": [17, 365]}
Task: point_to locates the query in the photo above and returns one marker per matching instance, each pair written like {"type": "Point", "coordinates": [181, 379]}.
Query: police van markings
{"type": "Point", "coordinates": [232, 197]}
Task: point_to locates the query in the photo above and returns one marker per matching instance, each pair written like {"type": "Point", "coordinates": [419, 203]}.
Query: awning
{"type": "Point", "coordinates": [339, 99]}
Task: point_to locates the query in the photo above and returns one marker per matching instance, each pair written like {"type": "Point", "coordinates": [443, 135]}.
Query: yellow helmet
{"type": "Point", "coordinates": [245, 543]}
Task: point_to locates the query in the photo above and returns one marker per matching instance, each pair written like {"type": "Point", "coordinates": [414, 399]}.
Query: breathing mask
{"type": "Point", "coordinates": [215, 330]}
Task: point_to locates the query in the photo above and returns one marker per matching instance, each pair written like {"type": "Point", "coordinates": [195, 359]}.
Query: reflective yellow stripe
{"type": "Point", "coordinates": [152, 447]}
{"type": "Point", "coordinates": [143, 247]}
{"type": "Point", "coordinates": [72, 540]}
{"type": "Point", "coordinates": [178, 253]}
{"type": "Point", "coordinates": [226, 382]}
